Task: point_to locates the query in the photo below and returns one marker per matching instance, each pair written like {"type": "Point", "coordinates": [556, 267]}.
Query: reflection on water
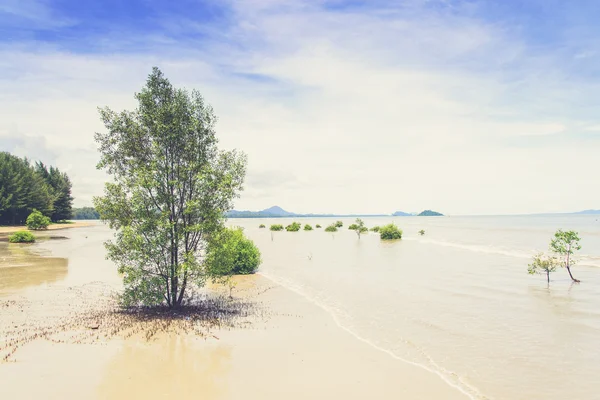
{"type": "Point", "coordinates": [21, 268]}
{"type": "Point", "coordinates": [166, 368]}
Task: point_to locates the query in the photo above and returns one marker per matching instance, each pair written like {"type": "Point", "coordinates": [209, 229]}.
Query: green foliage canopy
{"type": "Point", "coordinates": [307, 227]}
{"type": "Point", "coordinates": [229, 252]}
{"type": "Point", "coordinates": [25, 187]}
{"type": "Point", "coordinates": [85, 213]}
{"type": "Point", "coordinates": [565, 244]}
{"type": "Point", "coordinates": [359, 227]}
{"type": "Point", "coordinates": [170, 189]}
{"type": "Point", "coordinates": [21, 237]}
{"type": "Point", "coordinates": [339, 224]}
{"type": "Point", "coordinates": [276, 227]}
{"type": "Point", "coordinates": [331, 228]}
{"type": "Point", "coordinates": [390, 232]}
{"type": "Point", "coordinates": [36, 221]}
{"type": "Point", "coordinates": [293, 227]}
{"type": "Point", "coordinates": [543, 264]}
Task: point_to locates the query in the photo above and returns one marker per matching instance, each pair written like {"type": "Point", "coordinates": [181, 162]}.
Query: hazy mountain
{"type": "Point", "coordinates": [277, 211]}
{"type": "Point", "coordinates": [402, 214]}
{"type": "Point", "coordinates": [591, 212]}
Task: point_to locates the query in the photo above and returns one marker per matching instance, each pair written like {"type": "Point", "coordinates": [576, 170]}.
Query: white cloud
{"type": "Point", "coordinates": [358, 112]}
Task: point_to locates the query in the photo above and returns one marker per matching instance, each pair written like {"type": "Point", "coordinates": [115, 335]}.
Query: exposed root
{"type": "Point", "coordinates": [90, 314]}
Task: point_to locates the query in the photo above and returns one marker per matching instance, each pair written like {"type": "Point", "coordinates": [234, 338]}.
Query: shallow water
{"type": "Point", "coordinates": [457, 301]}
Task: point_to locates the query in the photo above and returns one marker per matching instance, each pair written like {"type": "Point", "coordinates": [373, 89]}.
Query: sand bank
{"type": "Point", "coordinates": [53, 227]}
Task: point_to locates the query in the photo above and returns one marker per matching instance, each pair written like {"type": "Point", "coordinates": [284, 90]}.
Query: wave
{"type": "Point", "coordinates": [583, 259]}
{"type": "Point", "coordinates": [449, 377]}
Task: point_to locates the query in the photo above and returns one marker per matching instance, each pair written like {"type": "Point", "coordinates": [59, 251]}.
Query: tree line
{"type": "Point", "coordinates": [26, 186]}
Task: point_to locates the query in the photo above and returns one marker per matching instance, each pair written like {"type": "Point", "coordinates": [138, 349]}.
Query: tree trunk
{"type": "Point", "coordinates": [548, 276]}
{"type": "Point", "coordinates": [174, 292]}
{"type": "Point", "coordinates": [571, 275]}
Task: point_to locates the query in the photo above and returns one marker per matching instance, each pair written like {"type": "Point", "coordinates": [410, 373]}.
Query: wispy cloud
{"type": "Point", "coordinates": [341, 106]}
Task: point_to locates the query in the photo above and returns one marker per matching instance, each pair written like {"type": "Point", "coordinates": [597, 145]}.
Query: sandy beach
{"type": "Point", "coordinates": [288, 348]}
{"type": "Point", "coordinates": [5, 230]}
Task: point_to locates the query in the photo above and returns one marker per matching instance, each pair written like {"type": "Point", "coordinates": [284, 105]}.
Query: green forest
{"type": "Point", "coordinates": [85, 213]}
{"type": "Point", "coordinates": [26, 186]}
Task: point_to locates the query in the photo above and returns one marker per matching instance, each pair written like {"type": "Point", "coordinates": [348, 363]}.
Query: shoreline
{"type": "Point", "coordinates": [6, 230]}
{"type": "Point", "coordinates": [302, 352]}
{"type": "Point", "coordinates": [290, 347]}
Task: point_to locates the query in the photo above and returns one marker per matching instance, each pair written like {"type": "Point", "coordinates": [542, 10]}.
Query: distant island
{"type": "Point", "coordinates": [278, 212]}
{"type": "Point", "coordinates": [426, 213]}
{"type": "Point", "coordinates": [429, 213]}
{"type": "Point", "coordinates": [403, 214]}
{"type": "Point", "coordinates": [588, 212]}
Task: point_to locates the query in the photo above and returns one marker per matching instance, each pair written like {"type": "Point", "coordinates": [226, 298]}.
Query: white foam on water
{"type": "Point", "coordinates": [583, 259]}
{"type": "Point", "coordinates": [449, 377]}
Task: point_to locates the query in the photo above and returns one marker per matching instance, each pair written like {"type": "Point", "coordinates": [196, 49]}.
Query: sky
{"type": "Point", "coordinates": [344, 106]}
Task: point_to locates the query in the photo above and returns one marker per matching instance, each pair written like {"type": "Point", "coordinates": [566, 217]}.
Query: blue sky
{"type": "Point", "coordinates": [346, 106]}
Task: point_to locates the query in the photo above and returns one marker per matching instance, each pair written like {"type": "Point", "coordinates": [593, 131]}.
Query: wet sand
{"type": "Point", "coordinates": [289, 348]}
{"type": "Point", "coordinates": [296, 353]}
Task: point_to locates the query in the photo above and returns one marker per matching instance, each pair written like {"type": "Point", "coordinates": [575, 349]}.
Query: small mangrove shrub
{"type": "Point", "coordinates": [375, 229]}
{"type": "Point", "coordinates": [359, 227]}
{"type": "Point", "coordinates": [276, 227]}
{"type": "Point", "coordinates": [36, 221]}
{"type": "Point", "coordinates": [293, 227]}
{"type": "Point", "coordinates": [307, 227]}
{"type": "Point", "coordinates": [352, 227]}
{"type": "Point", "coordinates": [564, 245]}
{"type": "Point", "coordinates": [331, 228]}
{"type": "Point", "coordinates": [543, 264]}
{"type": "Point", "coordinates": [390, 232]}
{"type": "Point", "coordinates": [21, 237]}
{"type": "Point", "coordinates": [318, 226]}
{"type": "Point", "coordinates": [339, 224]}
{"type": "Point", "coordinates": [230, 252]}
{"type": "Point", "coordinates": [262, 226]}
{"type": "Point", "coordinates": [421, 232]}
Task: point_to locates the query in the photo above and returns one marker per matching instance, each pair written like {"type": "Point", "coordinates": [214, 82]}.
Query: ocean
{"type": "Point", "coordinates": [457, 301]}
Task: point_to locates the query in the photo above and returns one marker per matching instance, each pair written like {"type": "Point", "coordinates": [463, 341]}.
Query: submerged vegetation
{"type": "Point", "coordinates": [230, 252]}
{"type": "Point", "coordinates": [331, 228]}
{"type": "Point", "coordinates": [543, 264]}
{"type": "Point", "coordinates": [563, 246]}
{"type": "Point", "coordinates": [359, 227]}
{"type": "Point", "coordinates": [390, 232]}
{"type": "Point", "coordinates": [170, 188]}
{"type": "Point", "coordinates": [293, 227]}
{"type": "Point", "coordinates": [21, 237]}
